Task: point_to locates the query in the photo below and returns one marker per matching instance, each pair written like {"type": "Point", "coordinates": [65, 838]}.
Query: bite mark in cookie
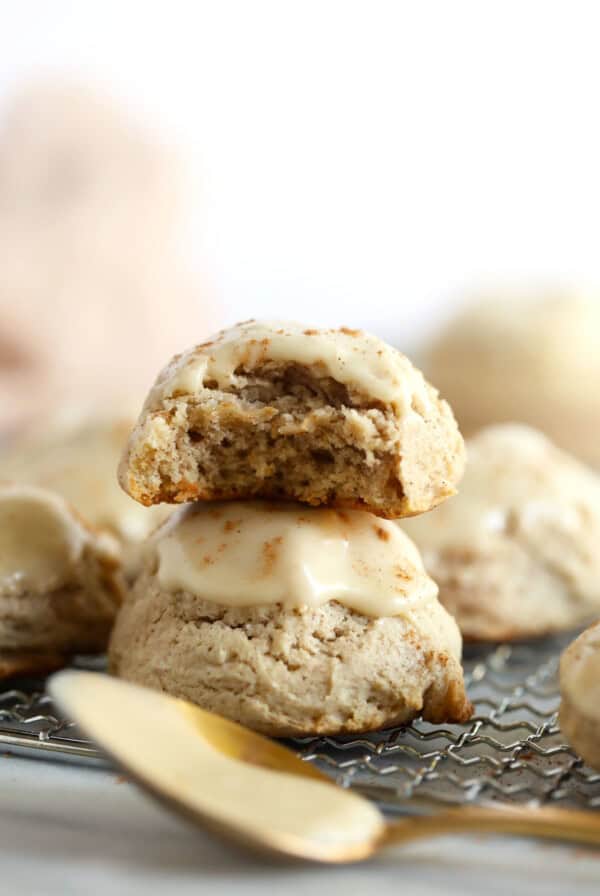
{"type": "Point", "coordinates": [325, 417]}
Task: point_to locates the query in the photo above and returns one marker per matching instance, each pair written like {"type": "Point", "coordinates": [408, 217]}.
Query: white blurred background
{"type": "Point", "coordinates": [364, 163]}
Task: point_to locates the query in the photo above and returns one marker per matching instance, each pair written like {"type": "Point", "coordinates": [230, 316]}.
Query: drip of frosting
{"type": "Point", "coordinates": [257, 553]}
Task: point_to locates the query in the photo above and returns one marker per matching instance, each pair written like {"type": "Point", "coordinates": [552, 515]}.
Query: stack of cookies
{"type": "Point", "coordinates": [281, 594]}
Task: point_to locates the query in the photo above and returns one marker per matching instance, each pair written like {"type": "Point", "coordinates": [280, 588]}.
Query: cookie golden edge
{"type": "Point", "coordinates": [291, 672]}
{"type": "Point", "coordinates": [353, 452]}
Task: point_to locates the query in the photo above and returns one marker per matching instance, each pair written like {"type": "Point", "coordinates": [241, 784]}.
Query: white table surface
{"type": "Point", "coordinates": [77, 830]}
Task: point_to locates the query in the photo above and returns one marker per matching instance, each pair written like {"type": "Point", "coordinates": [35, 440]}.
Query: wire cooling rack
{"type": "Point", "coordinates": [511, 750]}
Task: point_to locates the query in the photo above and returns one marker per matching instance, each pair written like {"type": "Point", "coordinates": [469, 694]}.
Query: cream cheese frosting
{"type": "Point", "coordinates": [40, 538]}
{"type": "Point", "coordinates": [519, 486]}
{"type": "Point", "coordinates": [255, 553]}
{"type": "Point", "coordinates": [354, 358]}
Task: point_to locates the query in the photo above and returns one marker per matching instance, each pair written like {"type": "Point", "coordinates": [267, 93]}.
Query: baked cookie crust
{"type": "Point", "coordinates": [292, 672]}
{"type": "Point", "coordinates": [324, 417]}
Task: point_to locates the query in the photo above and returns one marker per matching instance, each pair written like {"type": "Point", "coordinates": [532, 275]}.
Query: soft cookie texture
{"type": "Point", "coordinates": [579, 715]}
{"type": "Point", "coordinates": [285, 666]}
{"type": "Point", "coordinates": [325, 670]}
{"type": "Point", "coordinates": [333, 417]}
{"type": "Point", "coordinates": [516, 554]}
{"type": "Point", "coordinates": [60, 584]}
{"type": "Point", "coordinates": [528, 358]}
{"type": "Point", "coordinates": [78, 460]}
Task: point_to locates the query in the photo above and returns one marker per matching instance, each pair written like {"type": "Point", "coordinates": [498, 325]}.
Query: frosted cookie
{"type": "Point", "coordinates": [60, 584]}
{"type": "Point", "coordinates": [579, 715]}
{"type": "Point", "coordinates": [533, 359]}
{"type": "Point", "coordinates": [79, 462]}
{"type": "Point", "coordinates": [332, 417]}
{"type": "Point", "coordinates": [291, 620]}
{"type": "Point", "coordinates": [515, 554]}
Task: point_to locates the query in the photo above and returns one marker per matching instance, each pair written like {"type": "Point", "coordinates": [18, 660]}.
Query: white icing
{"type": "Point", "coordinates": [256, 553]}
{"type": "Point", "coordinates": [351, 357]}
{"type": "Point", "coordinates": [40, 538]}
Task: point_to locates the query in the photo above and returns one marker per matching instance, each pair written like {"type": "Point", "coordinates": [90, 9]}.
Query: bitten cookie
{"type": "Point", "coordinates": [515, 554]}
{"type": "Point", "coordinates": [291, 620]}
{"type": "Point", "coordinates": [79, 462]}
{"type": "Point", "coordinates": [333, 417]}
{"type": "Point", "coordinates": [579, 715]}
{"type": "Point", "coordinates": [60, 584]}
{"type": "Point", "coordinates": [528, 358]}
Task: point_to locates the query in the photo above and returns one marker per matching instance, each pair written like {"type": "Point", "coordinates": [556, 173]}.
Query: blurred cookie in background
{"type": "Point", "coordinates": [528, 358]}
{"type": "Point", "coordinates": [579, 715]}
{"type": "Point", "coordinates": [515, 553]}
{"type": "Point", "coordinates": [78, 460]}
{"type": "Point", "coordinates": [95, 288]}
{"type": "Point", "coordinates": [60, 582]}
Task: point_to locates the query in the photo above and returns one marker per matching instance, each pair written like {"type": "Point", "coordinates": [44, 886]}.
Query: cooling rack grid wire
{"type": "Point", "coordinates": [511, 750]}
